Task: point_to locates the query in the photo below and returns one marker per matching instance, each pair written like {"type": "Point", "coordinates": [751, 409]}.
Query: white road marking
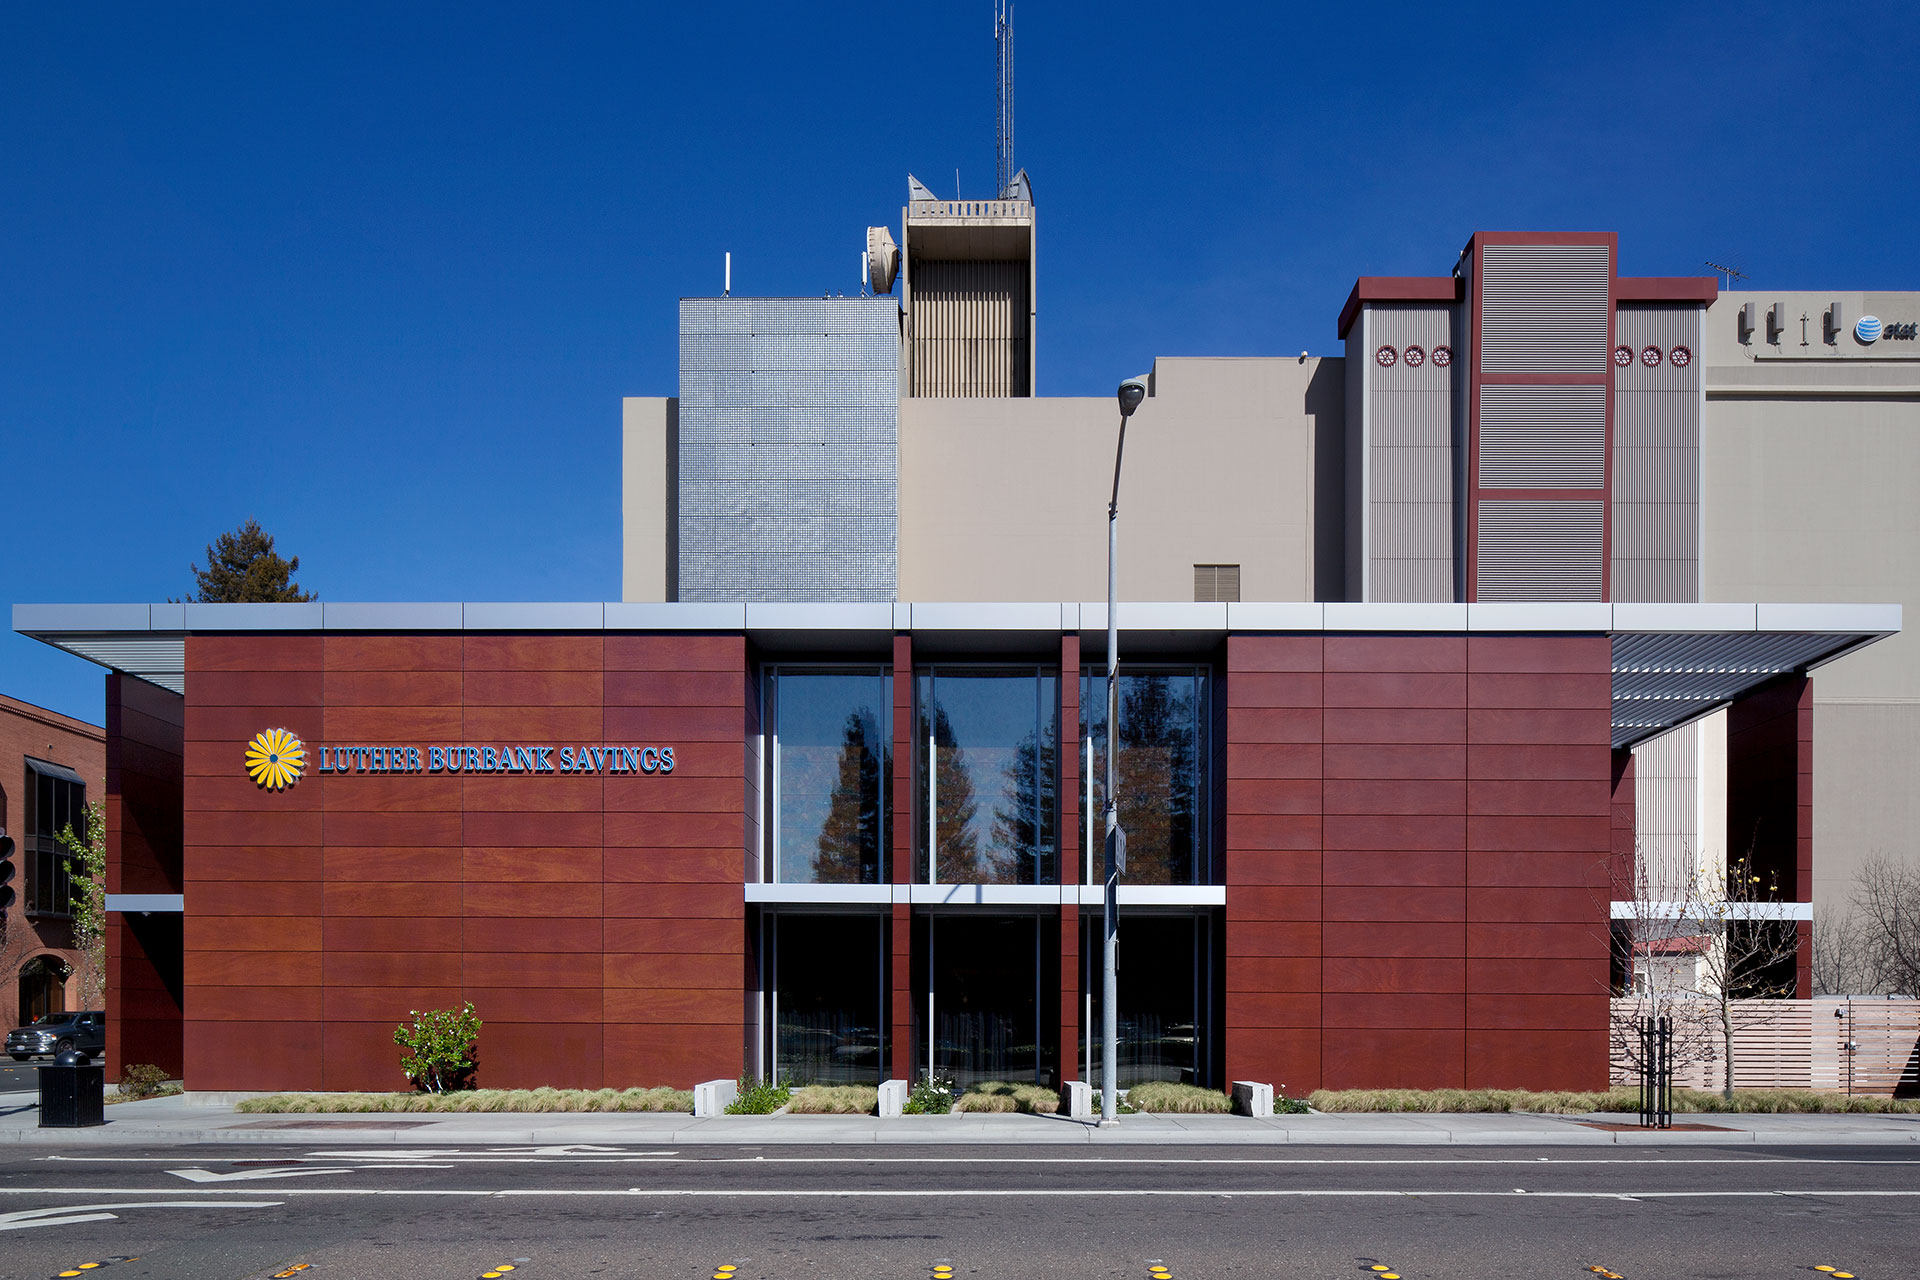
{"type": "Point", "coordinates": [390, 1159]}
{"type": "Point", "coordinates": [856, 1193]}
{"type": "Point", "coordinates": [249, 1175]}
{"type": "Point", "coordinates": [68, 1215]}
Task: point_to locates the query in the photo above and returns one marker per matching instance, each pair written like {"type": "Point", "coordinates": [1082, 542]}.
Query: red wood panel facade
{"type": "Point", "coordinates": [595, 920]}
{"type": "Point", "coordinates": [143, 823]}
{"type": "Point", "coordinates": [1417, 834]}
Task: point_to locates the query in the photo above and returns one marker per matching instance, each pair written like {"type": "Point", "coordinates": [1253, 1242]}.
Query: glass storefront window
{"type": "Point", "coordinates": [985, 768]}
{"type": "Point", "coordinates": [827, 999]}
{"type": "Point", "coordinates": [992, 1009]}
{"type": "Point", "coordinates": [832, 751]}
{"type": "Point", "coordinates": [1162, 770]}
{"type": "Point", "coordinates": [1162, 1001]}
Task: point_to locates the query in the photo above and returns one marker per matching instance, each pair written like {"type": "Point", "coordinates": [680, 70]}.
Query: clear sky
{"type": "Point", "coordinates": [379, 275]}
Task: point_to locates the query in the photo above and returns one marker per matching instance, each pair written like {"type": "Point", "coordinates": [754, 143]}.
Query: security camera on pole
{"type": "Point", "coordinates": [1132, 392]}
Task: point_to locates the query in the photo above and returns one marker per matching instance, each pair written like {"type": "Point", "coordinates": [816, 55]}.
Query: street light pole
{"type": "Point", "coordinates": [1132, 392]}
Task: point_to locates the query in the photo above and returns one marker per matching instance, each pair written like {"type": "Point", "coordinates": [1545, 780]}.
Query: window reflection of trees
{"type": "Point", "coordinates": [830, 772]}
{"type": "Point", "coordinates": [848, 850]}
{"type": "Point", "coordinates": [1160, 767]}
{"type": "Point", "coordinates": [995, 798]}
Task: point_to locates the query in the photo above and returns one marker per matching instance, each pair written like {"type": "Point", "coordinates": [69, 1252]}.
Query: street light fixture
{"type": "Point", "coordinates": [1131, 394]}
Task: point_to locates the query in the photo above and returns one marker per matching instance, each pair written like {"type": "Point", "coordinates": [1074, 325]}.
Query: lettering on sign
{"type": "Point", "coordinates": [461, 758]}
{"type": "Point", "coordinates": [277, 759]}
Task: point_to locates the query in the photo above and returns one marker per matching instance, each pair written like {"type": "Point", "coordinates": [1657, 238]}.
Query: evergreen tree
{"type": "Point", "coordinates": [1023, 838]}
{"type": "Point", "coordinates": [242, 567]}
{"type": "Point", "coordinates": [848, 851]}
{"type": "Point", "coordinates": [957, 853]}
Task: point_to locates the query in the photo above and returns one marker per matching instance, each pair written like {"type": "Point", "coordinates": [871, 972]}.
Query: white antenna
{"type": "Point", "coordinates": [1003, 117]}
{"type": "Point", "coordinates": [863, 273]}
{"type": "Point", "coordinates": [727, 292]}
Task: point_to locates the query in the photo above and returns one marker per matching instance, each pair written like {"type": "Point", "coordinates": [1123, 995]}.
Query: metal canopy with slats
{"type": "Point", "coordinates": [1672, 663]}
{"type": "Point", "coordinates": [1661, 681]}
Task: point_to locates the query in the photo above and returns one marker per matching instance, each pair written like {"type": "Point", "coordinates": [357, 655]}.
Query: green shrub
{"type": "Point", "coordinates": [1186, 1099]}
{"type": "Point", "coordinates": [1285, 1106]}
{"type": "Point", "coordinates": [930, 1096]}
{"type": "Point", "coordinates": [998, 1095]}
{"type": "Point", "coordinates": [835, 1100]}
{"type": "Point", "coordinates": [439, 1046]}
{"type": "Point", "coordinates": [141, 1080]}
{"type": "Point", "coordinates": [759, 1097]}
{"type": "Point", "coordinates": [471, 1100]}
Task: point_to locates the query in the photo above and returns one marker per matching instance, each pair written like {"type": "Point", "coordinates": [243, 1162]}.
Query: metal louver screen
{"type": "Point", "coordinates": [1216, 582]}
{"type": "Point", "coordinates": [1543, 437]}
{"type": "Point", "coordinates": [1543, 308]}
{"type": "Point", "coordinates": [1540, 549]}
{"type": "Point", "coordinates": [969, 328]}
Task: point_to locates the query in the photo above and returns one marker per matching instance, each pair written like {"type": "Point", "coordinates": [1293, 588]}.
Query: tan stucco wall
{"type": "Point", "coordinates": [646, 511]}
{"type": "Point", "coordinates": [1812, 498]}
{"type": "Point", "coordinates": [1006, 499]}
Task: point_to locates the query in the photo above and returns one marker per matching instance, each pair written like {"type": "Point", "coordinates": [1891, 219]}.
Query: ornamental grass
{"type": "Point", "coordinates": [1000, 1096]}
{"type": "Point", "coordinates": [1169, 1097]}
{"type": "Point", "coordinates": [834, 1100]}
{"type": "Point", "coordinates": [470, 1100]}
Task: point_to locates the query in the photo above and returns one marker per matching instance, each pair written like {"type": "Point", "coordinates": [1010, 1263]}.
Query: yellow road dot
{"type": "Point", "coordinates": [489, 1275]}
{"type": "Point", "coordinates": [1843, 1275]}
{"type": "Point", "coordinates": [69, 1273]}
{"type": "Point", "coordinates": [1389, 1275]}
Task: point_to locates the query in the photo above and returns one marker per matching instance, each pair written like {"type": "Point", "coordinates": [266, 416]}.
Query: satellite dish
{"type": "Point", "coordinates": [883, 259]}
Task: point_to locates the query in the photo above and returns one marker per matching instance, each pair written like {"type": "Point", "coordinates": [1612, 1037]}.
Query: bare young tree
{"type": "Point", "coordinates": [1656, 952]}
{"type": "Point", "coordinates": [1886, 899]}
{"type": "Point", "coordinates": [1754, 952]}
{"type": "Point", "coordinates": [1843, 954]}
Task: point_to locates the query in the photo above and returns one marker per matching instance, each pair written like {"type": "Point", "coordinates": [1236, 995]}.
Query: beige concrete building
{"type": "Point", "coordinates": [1530, 426]}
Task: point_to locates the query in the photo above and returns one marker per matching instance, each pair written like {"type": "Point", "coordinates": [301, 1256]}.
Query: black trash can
{"type": "Point", "coordinates": [73, 1092]}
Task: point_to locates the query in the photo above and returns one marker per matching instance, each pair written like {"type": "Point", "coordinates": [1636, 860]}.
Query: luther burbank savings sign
{"type": "Point", "coordinates": [276, 759]}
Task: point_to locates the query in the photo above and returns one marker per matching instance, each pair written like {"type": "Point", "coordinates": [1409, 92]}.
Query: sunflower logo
{"type": "Point", "coordinates": [276, 759]}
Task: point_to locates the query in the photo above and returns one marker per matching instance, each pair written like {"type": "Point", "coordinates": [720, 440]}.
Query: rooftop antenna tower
{"type": "Point", "coordinates": [1731, 273]}
{"type": "Point", "coordinates": [1003, 120]}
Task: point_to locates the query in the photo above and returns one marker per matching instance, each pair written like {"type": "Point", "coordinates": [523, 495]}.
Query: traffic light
{"type": "Point", "coordinates": [6, 870]}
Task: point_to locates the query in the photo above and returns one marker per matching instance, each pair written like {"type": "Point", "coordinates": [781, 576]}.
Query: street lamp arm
{"type": "Point", "coordinates": [1119, 451]}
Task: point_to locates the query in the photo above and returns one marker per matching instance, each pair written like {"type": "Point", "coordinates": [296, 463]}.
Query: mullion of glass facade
{"type": "Point", "coordinates": [986, 770]}
{"type": "Point", "coordinates": [831, 767]}
{"type": "Point", "coordinates": [1162, 770]}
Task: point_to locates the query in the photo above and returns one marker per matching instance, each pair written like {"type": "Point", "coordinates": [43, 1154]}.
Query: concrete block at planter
{"type": "Point", "coordinates": [1079, 1100]}
{"type": "Point", "coordinates": [1251, 1098]}
{"type": "Point", "coordinates": [712, 1097]}
{"type": "Point", "coordinates": [893, 1098]}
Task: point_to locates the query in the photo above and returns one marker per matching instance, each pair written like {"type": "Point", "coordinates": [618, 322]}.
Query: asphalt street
{"type": "Point", "coordinates": [392, 1213]}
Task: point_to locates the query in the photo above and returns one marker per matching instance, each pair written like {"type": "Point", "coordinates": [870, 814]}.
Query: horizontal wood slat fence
{"type": "Point", "coordinates": [1788, 1044]}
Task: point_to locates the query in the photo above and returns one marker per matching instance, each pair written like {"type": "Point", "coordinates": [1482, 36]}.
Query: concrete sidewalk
{"type": "Point", "coordinates": [210, 1118]}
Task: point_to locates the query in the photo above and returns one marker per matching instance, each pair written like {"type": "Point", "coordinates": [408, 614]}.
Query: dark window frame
{"type": "Point", "coordinates": [53, 803]}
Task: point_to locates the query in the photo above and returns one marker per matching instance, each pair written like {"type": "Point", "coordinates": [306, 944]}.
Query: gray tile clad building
{"type": "Point", "coordinates": [788, 446]}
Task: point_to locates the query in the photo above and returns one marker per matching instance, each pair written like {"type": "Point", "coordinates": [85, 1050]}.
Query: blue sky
{"type": "Point", "coordinates": [379, 275]}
